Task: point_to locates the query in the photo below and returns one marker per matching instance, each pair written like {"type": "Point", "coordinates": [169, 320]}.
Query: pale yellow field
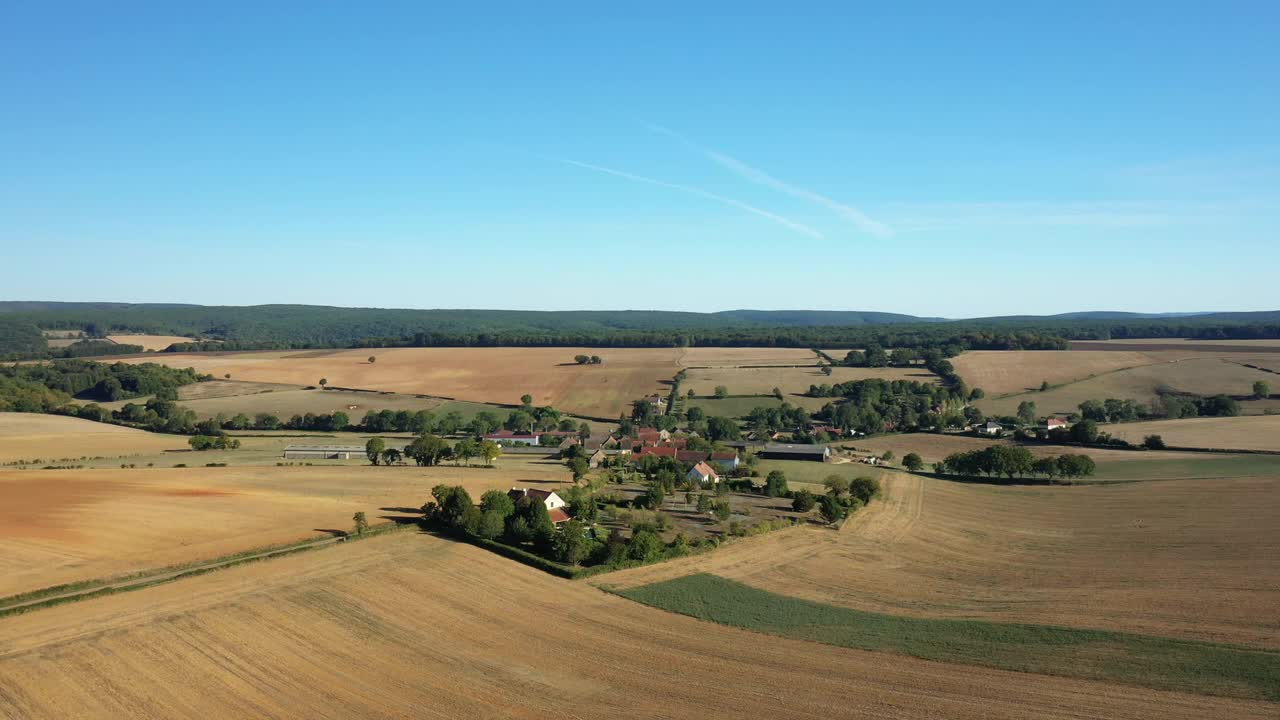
{"type": "Point", "coordinates": [1200, 375]}
{"type": "Point", "coordinates": [51, 438]}
{"type": "Point", "coordinates": [762, 381]}
{"type": "Point", "coordinates": [497, 375]}
{"type": "Point", "coordinates": [1011, 371]}
{"type": "Point", "coordinates": [735, 357]}
{"type": "Point", "coordinates": [1259, 432]}
{"type": "Point", "coordinates": [60, 526]}
{"type": "Point", "coordinates": [149, 342]}
{"type": "Point", "coordinates": [1184, 558]}
{"type": "Point", "coordinates": [410, 625]}
{"type": "Point", "coordinates": [932, 447]}
{"type": "Point", "coordinates": [1191, 343]}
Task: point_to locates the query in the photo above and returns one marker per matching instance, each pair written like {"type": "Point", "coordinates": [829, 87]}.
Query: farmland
{"type": "Point", "coordinates": [64, 526]}
{"type": "Point", "coordinates": [52, 438]}
{"type": "Point", "coordinates": [696, 357]}
{"type": "Point", "coordinates": [762, 381]}
{"type": "Point", "coordinates": [1190, 559]}
{"type": "Point", "coordinates": [398, 624]}
{"type": "Point", "coordinates": [485, 375]}
{"type": "Point", "coordinates": [1009, 378]}
{"type": "Point", "coordinates": [150, 343]}
{"type": "Point", "coordinates": [1242, 433]}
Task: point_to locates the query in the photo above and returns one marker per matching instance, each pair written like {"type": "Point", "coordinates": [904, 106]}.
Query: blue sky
{"type": "Point", "coordinates": [921, 158]}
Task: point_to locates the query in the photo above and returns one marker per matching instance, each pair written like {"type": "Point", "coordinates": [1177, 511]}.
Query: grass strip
{"type": "Point", "coordinates": [1131, 659]}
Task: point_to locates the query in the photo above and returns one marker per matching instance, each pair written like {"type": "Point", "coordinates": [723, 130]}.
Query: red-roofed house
{"type": "Point", "coordinates": [693, 457]}
{"type": "Point", "coordinates": [727, 460]}
{"type": "Point", "coordinates": [558, 515]}
{"type": "Point", "coordinates": [702, 474]}
{"type": "Point", "coordinates": [655, 452]}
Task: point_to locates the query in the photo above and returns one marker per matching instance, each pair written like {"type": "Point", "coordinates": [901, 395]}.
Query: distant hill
{"type": "Point", "coordinates": [314, 326]}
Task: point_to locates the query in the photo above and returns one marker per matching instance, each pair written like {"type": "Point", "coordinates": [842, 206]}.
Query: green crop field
{"type": "Point", "coordinates": [1156, 662]}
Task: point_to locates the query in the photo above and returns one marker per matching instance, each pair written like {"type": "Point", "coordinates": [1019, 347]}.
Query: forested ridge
{"type": "Point", "coordinates": [308, 326]}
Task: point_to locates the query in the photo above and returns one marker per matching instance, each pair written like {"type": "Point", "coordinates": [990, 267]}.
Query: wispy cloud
{"type": "Point", "coordinates": [760, 177]}
{"type": "Point", "coordinates": [699, 192]}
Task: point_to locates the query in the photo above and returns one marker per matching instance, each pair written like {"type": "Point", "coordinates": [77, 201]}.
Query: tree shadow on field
{"type": "Point", "coordinates": [401, 510]}
{"type": "Point", "coordinates": [331, 531]}
{"type": "Point", "coordinates": [403, 519]}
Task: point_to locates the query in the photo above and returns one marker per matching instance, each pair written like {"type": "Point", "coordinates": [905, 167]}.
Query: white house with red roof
{"type": "Point", "coordinates": [703, 474]}
{"type": "Point", "coordinates": [554, 503]}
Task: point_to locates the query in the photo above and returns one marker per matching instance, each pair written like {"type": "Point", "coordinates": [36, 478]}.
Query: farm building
{"type": "Point", "coordinates": [655, 451]}
{"type": "Point", "coordinates": [727, 460]}
{"type": "Point", "coordinates": [785, 451]}
{"type": "Point", "coordinates": [323, 452]}
{"type": "Point", "coordinates": [692, 457]}
{"type": "Point", "coordinates": [1055, 423]}
{"type": "Point", "coordinates": [508, 437]}
{"type": "Point", "coordinates": [991, 428]}
{"type": "Point", "coordinates": [702, 474]}
{"type": "Point", "coordinates": [554, 503]}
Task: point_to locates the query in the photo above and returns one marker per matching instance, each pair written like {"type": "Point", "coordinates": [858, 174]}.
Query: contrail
{"type": "Point", "coordinates": [760, 177]}
{"type": "Point", "coordinates": [798, 227]}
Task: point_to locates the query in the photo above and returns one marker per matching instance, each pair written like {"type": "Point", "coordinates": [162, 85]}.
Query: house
{"type": "Point", "coordinates": [657, 401]}
{"type": "Point", "coordinates": [990, 428]}
{"type": "Point", "coordinates": [727, 460]}
{"type": "Point", "coordinates": [558, 516]}
{"type": "Point", "coordinates": [871, 460]}
{"type": "Point", "coordinates": [702, 474]}
{"type": "Point", "coordinates": [692, 457]}
{"type": "Point", "coordinates": [650, 450]}
{"type": "Point", "coordinates": [831, 430]}
{"type": "Point", "coordinates": [1055, 423]}
{"type": "Point", "coordinates": [597, 458]}
{"type": "Point", "coordinates": [652, 436]}
{"type": "Point", "coordinates": [548, 497]}
{"type": "Point", "coordinates": [597, 441]}
{"type": "Point", "coordinates": [786, 451]}
{"type": "Point", "coordinates": [323, 452]}
{"type": "Point", "coordinates": [510, 437]}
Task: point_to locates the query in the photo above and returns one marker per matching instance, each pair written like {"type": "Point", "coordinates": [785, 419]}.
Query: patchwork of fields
{"type": "Point", "coordinates": [486, 375]}
{"type": "Point", "coordinates": [60, 526]}
{"type": "Point", "coordinates": [408, 625]}
{"type": "Point", "coordinates": [1190, 559]}
{"type": "Point", "coordinates": [1008, 378]}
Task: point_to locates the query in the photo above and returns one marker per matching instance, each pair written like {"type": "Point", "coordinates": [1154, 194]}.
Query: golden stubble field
{"type": "Point", "coordinates": [762, 381]}
{"type": "Point", "coordinates": [53, 438]}
{"type": "Point", "coordinates": [1099, 374]}
{"type": "Point", "coordinates": [150, 343]}
{"type": "Point", "coordinates": [1194, 559]}
{"type": "Point", "coordinates": [490, 375]}
{"type": "Point", "coordinates": [61, 526]}
{"type": "Point", "coordinates": [409, 625]}
{"type": "Point", "coordinates": [1259, 432]}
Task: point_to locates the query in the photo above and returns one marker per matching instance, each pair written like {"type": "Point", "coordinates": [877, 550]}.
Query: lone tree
{"type": "Point", "coordinates": [722, 391]}
{"type": "Point", "coordinates": [362, 524]}
{"type": "Point", "coordinates": [372, 359]}
{"type": "Point", "coordinates": [373, 449]}
{"type": "Point", "coordinates": [526, 400]}
{"type": "Point", "coordinates": [1153, 442]}
{"type": "Point", "coordinates": [1261, 390]}
{"type": "Point", "coordinates": [323, 382]}
{"type": "Point", "coordinates": [775, 484]}
{"type": "Point", "coordinates": [582, 359]}
{"type": "Point", "coordinates": [912, 462]}
{"type": "Point", "coordinates": [1044, 386]}
{"type": "Point", "coordinates": [578, 466]}
{"type": "Point", "coordinates": [489, 451]}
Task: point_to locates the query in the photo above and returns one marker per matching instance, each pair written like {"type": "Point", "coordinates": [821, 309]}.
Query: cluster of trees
{"type": "Point", "coordinates": [219, 441]}
{"type": "Point", "coordinates": [842, 498]}
{"type": "Point", "coordinates": [875, 405]}
{"type": "Point", "coordinates": [1014, 461]}
{"type": "Point", "coordinates": [104, 382]}
{"type": "Point", "coordinates": [587, 359]}
{"type": "Point", "coordinates": [773, 419]}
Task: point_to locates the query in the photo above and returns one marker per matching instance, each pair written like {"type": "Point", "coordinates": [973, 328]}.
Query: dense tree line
{"type": "Point", "coordinates": [105, 382]}
{"type": "Point", "coordinates": [875, 405]}
{"type": "Point", "coordinates": [1014, 460]}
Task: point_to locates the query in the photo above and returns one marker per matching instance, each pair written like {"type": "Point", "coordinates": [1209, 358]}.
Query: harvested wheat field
{"type": "Point", "coordinates": [71, 525]}
{"type": "Point", "coordinates": [739, 357]}
{"type": "Point", "coordinates": [150, 343]}
{"type": "Point", "coordinates": [55, 438]}
{"type": "Point", "coordinates": [794, 380]}
{"type": "Point", "coordinates": [1191, 559]}
{"type": "Point", "coordinates": [999, 372]}
{"type": "Point", "coordinates": [490, 375]}
{"type": "Point", "coordinates": [409, 625]}
{"type": "Point", "coordinates": [1260, 432]}
{"type": "Point", "coordinates": [933, 446]}
{"type": "Point", "coordinates": [1199, 375]}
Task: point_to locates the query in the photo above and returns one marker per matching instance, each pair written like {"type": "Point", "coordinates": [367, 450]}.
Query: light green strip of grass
{"type": "Point", "coordinates": [1155, 662]}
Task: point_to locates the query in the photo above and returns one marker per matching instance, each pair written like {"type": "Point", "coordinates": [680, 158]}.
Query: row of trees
{"type": "Point", "coordinates": [104, 382]}
{"type": "Point", "coordinates": [587, 359]}
{"type": "Point", "coordinates": [1014, 461]}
